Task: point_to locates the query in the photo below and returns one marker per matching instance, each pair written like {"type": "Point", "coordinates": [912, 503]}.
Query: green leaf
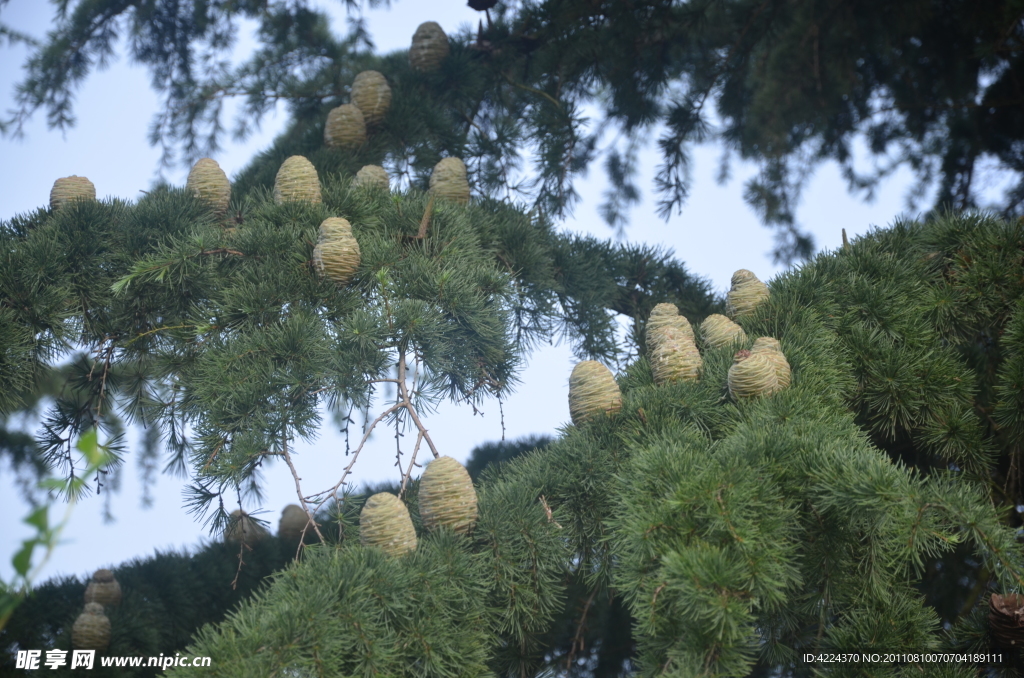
{"type": "Point", "coordinates": [22, 560]}
{"type": "Point", "coordinates": [89, 446]}
{"type": "Point", "coordinates": [39, 519]}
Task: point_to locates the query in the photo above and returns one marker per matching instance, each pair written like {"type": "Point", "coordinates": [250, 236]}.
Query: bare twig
{"type": "Point", "coordinates": [577, 639]}
{"type": "Point", "coordinates": [302, 500]}
{"type": "Point", "coordinates": [412, 462]}
{"type": "Point", "coordinates": [407, 404]}
{"type": "Point", "coordinates": [547, 509]}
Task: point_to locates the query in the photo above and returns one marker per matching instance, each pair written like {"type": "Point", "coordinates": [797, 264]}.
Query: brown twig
{"type": "Point", "coordinates": [425, 221]}
{"type": "Point", "coordinates": [547, 510]}
{"type": "Point", "coordinates": [302, 500]}
{"type": "Point", "coordinates": [412, 462]}
{"type": "Point", "coordinates": [577, 639]}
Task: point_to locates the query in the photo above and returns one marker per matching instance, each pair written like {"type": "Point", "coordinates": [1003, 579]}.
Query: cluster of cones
{"type": "Point", "coordinates": [447, 499]}
{"type": "Point", "coordinates": [91, 630]}
{"type": "Point", "coordinates": [672, 349]}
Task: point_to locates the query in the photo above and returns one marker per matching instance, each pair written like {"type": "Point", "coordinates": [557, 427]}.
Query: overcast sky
{"type": "Point", "coordinates": [715, 235]}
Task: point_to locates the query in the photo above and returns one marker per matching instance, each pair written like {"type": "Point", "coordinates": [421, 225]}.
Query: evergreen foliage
{"type": "Point", "coordinates": [167, 598]}
{"type": "Point", "coordinates": [868, 506]}
{"type": "Point", "coordinates": [230, 332]}
{"type": "Point", "coordinates": [737, 534]}
{"type": "Point", "coordinates": [933, 86]}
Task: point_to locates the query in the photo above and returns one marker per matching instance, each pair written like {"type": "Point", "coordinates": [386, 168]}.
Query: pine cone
{"type": "Point", "coordinates": [592, 392]}
{"type": "Point", "coordinates": [1006, 619]}
{"type": "Point", "coordinates": [372, 176]}
{"type": "Point", "coordinates": [673, 355]}
{"type": "Point", "coordinates": [447, 497]}
{"type": "Point", "coordinates": [384, 523]}
{"type": "Point", "coordinates": [242, 527]}
{"type": "Point", "coordinates": [345, 127]}
{"type": "Point", "coordinates": [372, 95]}
{"type": "Point", "coordinates": [746, 293]}
{"type": "Point", "coordinates": [429, 47]}
{"type": "Point", "coordinates": [337, 255]}
{"type": "Point", "coordinates": [752, 375]}
{"type": "Point", "coordinates": [772, 349]}
{"type": "Point", "coordinates": [297, 181]}
{"type": "Point", "coordinates": [482, 5]}
{"type": "Point", "coordinates": [70, 188]}
{"type": "Point", "coordinates": [91, 630]}
{"type": "Point", "coordinates": [448, 180]}
{"type": "Point", "coordinates": [208, 182]}
{"type": "Point", "coordinates": [668, 315]}
{"type": "Point", "coordinates": [717, 331]}
{"type": "Point", "coordinates": [103, 589]}
{"type": "Point", "coordinates": [293, 522]}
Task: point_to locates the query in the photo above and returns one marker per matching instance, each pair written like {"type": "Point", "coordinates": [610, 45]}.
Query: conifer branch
{"type": "Point", "coordinates": [534, 90]}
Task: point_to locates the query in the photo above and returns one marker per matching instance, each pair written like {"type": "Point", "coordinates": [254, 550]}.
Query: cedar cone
{"type": "Point", "coordinates": [592, 392]}
{"type": "Point", "coordinates": [384, 522]}
{"type": "Point", "coordinates": [1006, 619]}
{"type": "Point", "coordinates": [447, 497]}
{"type": "Point", "coordinates": [103, 589]}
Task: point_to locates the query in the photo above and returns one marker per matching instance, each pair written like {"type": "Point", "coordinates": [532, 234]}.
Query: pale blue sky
{"type": "Point", "coordinates": [715, 235]}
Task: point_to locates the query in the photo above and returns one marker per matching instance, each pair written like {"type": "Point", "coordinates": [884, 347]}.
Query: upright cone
{"type": "Point", "coordinates": [372, 176]}
{"type": "Point", "coordinates": [293, 522]}
{"type": "Point", "coordinates": [667, 315]}
{"type": "Point", "coordinates": [385, 523]}
{"type": "Point", "coordinates": [297, 181]}
{"type": "Point", "coordinates": [1006, 620]}
{"type": "Point", "coordinates": [448, 180]}
{"type": "Point", "coordinates": [337, 254]}
{"type": "Point", "coordinates": [447, 497]}
{"type": "Point", "coordinates": [772, 349]}
{"type": "Point", "coordinates": [717, 331]}
{"type": "Point", "coordinates": [103, 589]}
{"type": "Point", "coordinates": [429, 47]}
{"type": "Point", "coordinates": [592, 392]}
{"type": "Point", "coordinates": [208, 182]}
{"type": "Point", "coordinates": [345, 127]}
{"type": "Point", "coordinates": [371, 93]}
{"type": "Point", "coordinates": [673, 355]}
{"type": "Point", "coordinates": [746, 293]}
{"type": "Point", "coordinates": [242, 527]}
{"type": "Point", "coordinates": [752, 375]}
{"type": "Point", "coordinates": [70, 188]}
{"type": "Point", "coordinates": [91, 630]}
